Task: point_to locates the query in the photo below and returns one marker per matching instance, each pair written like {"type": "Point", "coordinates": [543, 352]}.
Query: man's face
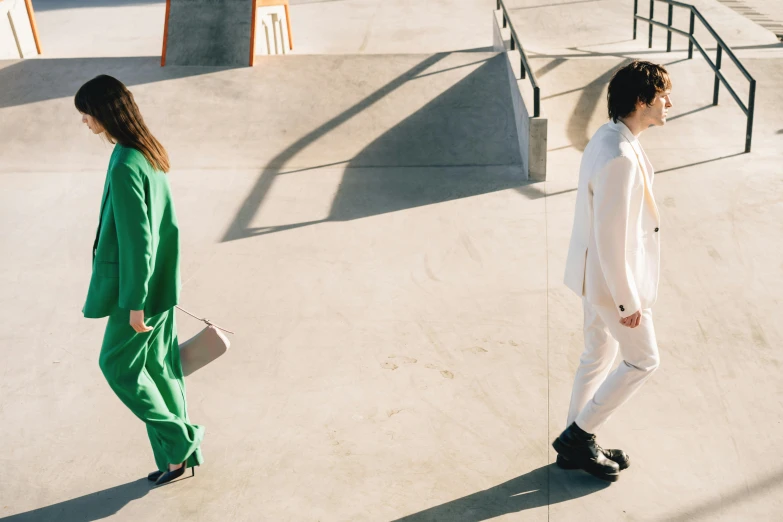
{"type": "Point", "coordinates": [656, 112]}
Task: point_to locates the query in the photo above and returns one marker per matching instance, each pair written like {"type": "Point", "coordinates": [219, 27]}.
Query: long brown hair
{"type": "Point", "coordinates": [111, 103]}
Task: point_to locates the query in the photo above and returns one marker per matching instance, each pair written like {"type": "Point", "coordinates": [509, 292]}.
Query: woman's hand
{"type": "Point", "coordinates": [137, 321]}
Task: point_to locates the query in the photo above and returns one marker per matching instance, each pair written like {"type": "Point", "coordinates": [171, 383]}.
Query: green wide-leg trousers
{"type": "Point", "coordinates": [145, 372]}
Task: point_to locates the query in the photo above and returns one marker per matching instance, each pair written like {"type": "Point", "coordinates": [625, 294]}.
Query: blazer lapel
{"type": "Point", "coordinates": [106, 190]}
{"type": "Point", "coordinates": [648, 195]}
{"type": "Point", "coordinates": [640, 159]}
{"type": "Point", "coordinates": [104, 199]}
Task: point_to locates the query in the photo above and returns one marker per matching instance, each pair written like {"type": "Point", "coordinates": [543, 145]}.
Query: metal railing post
{"type": "Point", "coordinates": [521, 68]}
{"type": "Point", "coordinates": [536, 102]}
{"type": "Point", "coordinates": [751, 106]}
{"type": "Point", "coordinates": [635, 12]}
{"type": "Point", "coordinates": [717, 78]}
{"type": "Point", "coordinates": [690, 40]}
{"type": "Point", "coordinates": [715, 65]}
{"type": "Point", "coordinates": [652, 14]}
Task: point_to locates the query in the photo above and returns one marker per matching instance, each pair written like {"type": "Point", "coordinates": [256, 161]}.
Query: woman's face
{"type": "Point", "coordinates": [92, 123]}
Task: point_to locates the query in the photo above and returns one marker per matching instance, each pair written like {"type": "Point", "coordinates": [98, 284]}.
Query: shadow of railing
{"type": "Point", "coordinates": [467, 128]}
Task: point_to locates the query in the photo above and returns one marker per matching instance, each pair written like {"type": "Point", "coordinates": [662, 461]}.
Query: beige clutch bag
{"type": "Point", "coordinates": [202, 348]}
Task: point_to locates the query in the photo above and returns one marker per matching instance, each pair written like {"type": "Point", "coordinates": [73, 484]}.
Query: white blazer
{"type": "Point", "coordinates": [614, 254]}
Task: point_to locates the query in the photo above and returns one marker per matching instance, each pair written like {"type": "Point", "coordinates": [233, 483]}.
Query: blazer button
{"type": "Point", "coordinates": [656, 229]}
{"type": "Point", "coordinates": [622, 308]}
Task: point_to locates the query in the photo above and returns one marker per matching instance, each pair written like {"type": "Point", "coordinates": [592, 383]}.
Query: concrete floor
{"type": "Point", "coordinates": [405, 346]}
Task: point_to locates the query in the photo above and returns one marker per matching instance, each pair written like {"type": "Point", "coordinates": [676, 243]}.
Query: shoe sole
{"type": "Point", "coordinates": [564, 463]}
{"type": "Point", "coordinates": [561, 449]}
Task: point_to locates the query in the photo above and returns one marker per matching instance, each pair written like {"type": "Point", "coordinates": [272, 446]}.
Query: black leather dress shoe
{"type": "Point", "coordinates": [616, 455]}
{"type": "Point", "coordinates": [168, 476]}
{"type": "Point", "coordinates": [155, 475]}
{"type": "Point", "coordinates": [579, 447]}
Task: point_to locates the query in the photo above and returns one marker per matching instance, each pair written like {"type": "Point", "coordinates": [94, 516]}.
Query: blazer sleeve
{"type": "Point", "coordinates": [133, 234]}
{"type": "Point", "coordinates": [611, 203]}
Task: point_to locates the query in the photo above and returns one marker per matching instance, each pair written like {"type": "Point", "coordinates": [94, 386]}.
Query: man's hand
{"type": "Point", "coordinates": [633, 320]}
{"type": "Point", "coordinates": [137, 321]}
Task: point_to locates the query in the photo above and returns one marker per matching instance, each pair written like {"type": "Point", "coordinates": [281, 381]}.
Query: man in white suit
{"type": "Point", "coordinates": [613, 264]}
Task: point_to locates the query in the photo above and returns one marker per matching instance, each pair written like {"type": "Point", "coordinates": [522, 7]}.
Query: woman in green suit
{"type": "Point", "coordinates": [135, 278]}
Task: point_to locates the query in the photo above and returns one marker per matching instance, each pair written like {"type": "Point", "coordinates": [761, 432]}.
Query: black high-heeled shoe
{"type": "Point", "coordinates": [168, 476]}
{"type": "Point", "coordinates": [155, 475]}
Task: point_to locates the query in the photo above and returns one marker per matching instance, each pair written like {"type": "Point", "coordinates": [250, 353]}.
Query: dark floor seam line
{"type": "Point", "coordinates": [549, 469]}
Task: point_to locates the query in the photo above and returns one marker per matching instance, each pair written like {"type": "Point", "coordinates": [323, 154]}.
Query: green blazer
{"type": "Point", "coordinates": [136, 252]}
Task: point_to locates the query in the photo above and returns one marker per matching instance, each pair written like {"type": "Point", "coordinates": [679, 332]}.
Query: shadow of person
{"type": "Point", "coordinates": [543, 486]}
{"type": "Point", "coordinates": [94, 506]}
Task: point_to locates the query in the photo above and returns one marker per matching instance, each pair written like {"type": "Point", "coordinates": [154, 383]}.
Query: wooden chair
{"type": "Point", "coordinates": [284, 3]}
{"type": "Point", "coordinates": [7, 6]}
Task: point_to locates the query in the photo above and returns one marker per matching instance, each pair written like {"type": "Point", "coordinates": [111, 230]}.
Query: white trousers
{"type": "Point", "coordinates": [597, 393]}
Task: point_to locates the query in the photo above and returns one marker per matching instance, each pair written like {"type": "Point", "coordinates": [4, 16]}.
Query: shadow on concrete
{"type": "Point", "coordinates": [95, 506]}
{"type": "Point", "coordinates": [468, 128]}
{"type": "Point", "coordinates": [553, 5]}
{"type": "Point", "coordinates": [489, 49]}
{"type": "Point", "coordinates": [675, 62]}
{"type": "Point", "coordinates": [699, 163]}
{"type": "Point", "coordinates": [31, 81]}
{"type": "Point", "coordinates": [694, 111]}
{"type": "Point", "coordinates": [450, 68]}
{"type": "Point", "coordinates": [580, 53]}
{"type": "Point", "coordinates": [589, 99]}
{"type": "Point", "coordinates": [52, 5]}
{"type": "Point", "coordinates": [551, 66]}
{"type": "Point", "coordinates": [544, 486]}
{"type": "Point", "coordinates": [710, 509]}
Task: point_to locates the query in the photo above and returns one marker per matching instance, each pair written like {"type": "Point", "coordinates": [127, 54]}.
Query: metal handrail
{"type": "Point", "coordinates": [516, 43]}
{"type": "Point", "coordinates": [747, 109]}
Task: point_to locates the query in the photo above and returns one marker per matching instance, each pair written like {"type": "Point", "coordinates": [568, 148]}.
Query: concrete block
{"type": "Point", "coordinates": [537, 147]}
{"type": "Point", "coordinates": [531, 131]}
{"type": "Point", "coordinates": [209, 32]}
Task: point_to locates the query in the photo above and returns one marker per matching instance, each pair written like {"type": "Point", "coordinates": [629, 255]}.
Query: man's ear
{"type": "Point", "coordinates": [640, 105]}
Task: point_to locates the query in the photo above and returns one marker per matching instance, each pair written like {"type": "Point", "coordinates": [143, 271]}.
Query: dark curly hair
{"type": "Point", "coordinates": [637, 81]}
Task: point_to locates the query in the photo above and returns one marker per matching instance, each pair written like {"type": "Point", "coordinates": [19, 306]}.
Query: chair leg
{"type": "Point", "coordinates": [288, 23]}
{"type": "Point", "coordinates": [16, 36]}
{"type": "Point", "coordinates": [33, 25]}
